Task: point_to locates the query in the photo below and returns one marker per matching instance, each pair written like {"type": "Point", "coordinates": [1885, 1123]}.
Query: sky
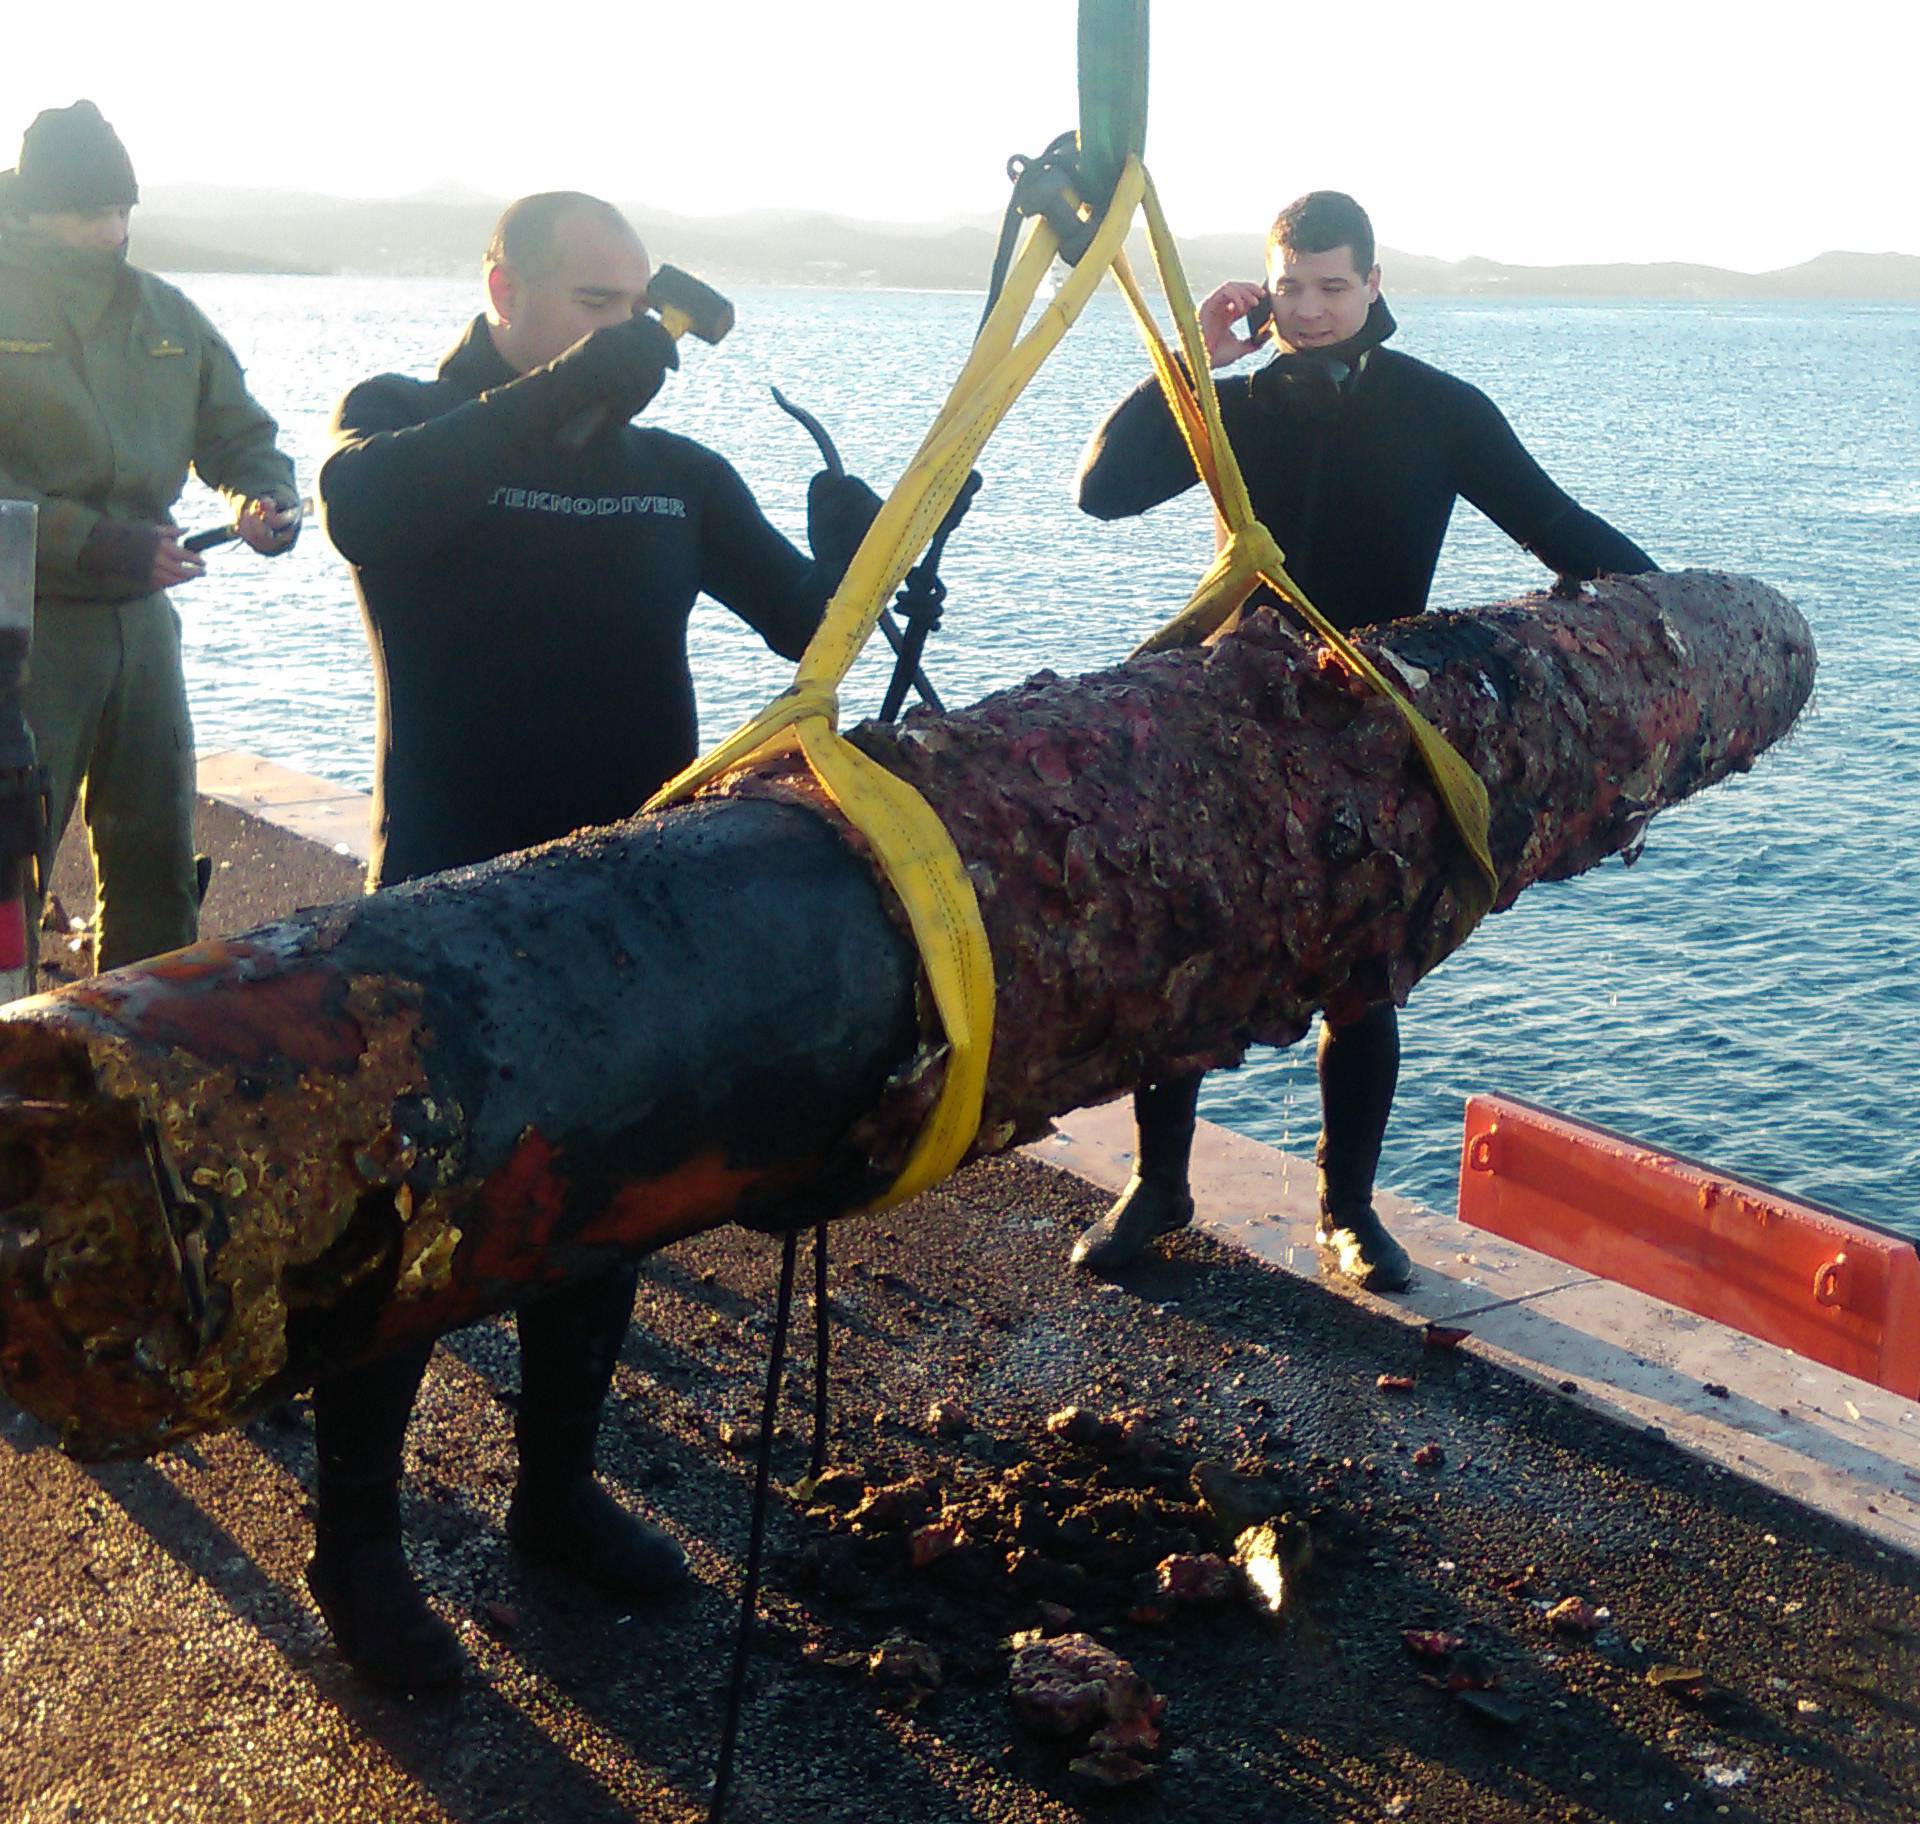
{"type": "Point", "coordinates": [1536, 133]}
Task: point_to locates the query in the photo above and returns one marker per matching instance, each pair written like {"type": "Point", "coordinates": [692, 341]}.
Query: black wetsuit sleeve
{"type": "Point", "coordinates": [401, 483]}
{"type": "Point", "coordinates": [1496, 472]}
{"type": "Point", "coordinates": [1136, 459]}
{"type": "Point", "coordinates": [749, 567]}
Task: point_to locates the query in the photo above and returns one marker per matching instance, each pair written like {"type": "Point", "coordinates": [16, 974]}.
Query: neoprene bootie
{"type": "Point", "coordinates": [1354, 1245]}
{"type": "Point", "coordinates": [380, 1621]}
{"type": "Point", "coordinates": [581, 1528]}
{"type": "Point", "coordinates": [1146, 1209]}
{"type": "Point", "coordinates": [1156, 1200]}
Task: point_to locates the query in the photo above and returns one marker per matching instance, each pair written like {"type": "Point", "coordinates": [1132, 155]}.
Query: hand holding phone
{"type": "Point", "coordinates": [1233, 321]}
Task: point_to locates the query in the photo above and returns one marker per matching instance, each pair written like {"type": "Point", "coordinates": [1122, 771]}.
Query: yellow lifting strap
{"type": "Point", "coordinates": [909, 842]}
{"type": "Point", "coordinates": [1250, 556]}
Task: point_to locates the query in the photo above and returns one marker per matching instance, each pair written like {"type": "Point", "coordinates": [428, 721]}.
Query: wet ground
{"type": "Point", "coordinates": [159, 1658]}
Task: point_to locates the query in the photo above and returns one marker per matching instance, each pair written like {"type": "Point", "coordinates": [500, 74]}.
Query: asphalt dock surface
{"type": "Point", "coordinates": [1735, 1657]}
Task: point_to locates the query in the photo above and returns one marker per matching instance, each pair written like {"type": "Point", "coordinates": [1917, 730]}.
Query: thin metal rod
{"type": "Point", "coordinates": [756, 1537]}
{"type": "Point", "coordinates": [822, 1349]}
{"type": "Point", "coordinates": [898, 641]}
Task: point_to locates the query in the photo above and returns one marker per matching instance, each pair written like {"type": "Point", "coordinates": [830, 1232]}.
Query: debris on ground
{"type": "Point", "coordinates": [842, 1488]}
{"type": "Point", "coordinates": [1185, 1581]}
{"type": "Point", "coordinates": [949, 1419]}
{"type": "Point", "coordinates": [932, 1542]}
{"type": "Point", "coordinates": [1270, 1558]}
{"type": "Point", "coordinates": [1684, 1683]}
{"type": "Point", "coordinates": [1117, 1435]}
{"type": "Point", "coordinates": [908, 1670]}
{"type": "Point", "coordinates": [1466, 1675]}
{"type": "Point", "coordinates": [1068, 1685]}
{"type": "Point", "coordinates": [1575, 1615]}
{"type": "Point", "coordinates": [895, 1505]}
{"type": "Point", "coordinates": [1234, 1502]}
{"type": "Point", "coordinates": [1491, 1707]}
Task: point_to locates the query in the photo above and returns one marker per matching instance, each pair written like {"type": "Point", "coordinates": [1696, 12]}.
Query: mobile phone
{"type": "Point", "coordinates": [1255, 322]}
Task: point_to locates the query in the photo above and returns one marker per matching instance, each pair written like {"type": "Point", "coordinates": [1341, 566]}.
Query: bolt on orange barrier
{"type": "Point", "coordinates": [1830, 1287]}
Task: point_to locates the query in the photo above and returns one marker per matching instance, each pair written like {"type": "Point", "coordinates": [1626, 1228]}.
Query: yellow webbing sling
{"type": "Point", "coordinates": [908, 840]}
{"type": "Point", "coordinates": [910, 843]}
{"type": "Point", "coordinates": [1250, 556]}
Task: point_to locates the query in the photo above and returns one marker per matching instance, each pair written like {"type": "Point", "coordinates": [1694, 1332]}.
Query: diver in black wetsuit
{"type": "Point", "coordinates": [526, 597]}
{"type": "Point", "coordinates": [1353, 456]}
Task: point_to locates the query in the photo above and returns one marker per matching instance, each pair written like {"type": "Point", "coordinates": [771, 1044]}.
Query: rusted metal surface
{"type": "Point", "coordinates": [233, 1167]}
{"type": "Point", "coordinates": [227, 1171]}
{"type": "Point", "coordinates": [1188, 855]}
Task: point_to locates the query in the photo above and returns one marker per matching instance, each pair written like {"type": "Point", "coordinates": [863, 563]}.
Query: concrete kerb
{"type": "Point", "coordinates": [1841, 1446]}
{"type": "Point", "coordinates": [1831, 1443]}
{"type": "Point", "coordinates": [316, 810]}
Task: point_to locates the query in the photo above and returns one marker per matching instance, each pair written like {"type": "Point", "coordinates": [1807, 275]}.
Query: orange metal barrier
{"type": "Point", "coordinates": [1829, 1287]}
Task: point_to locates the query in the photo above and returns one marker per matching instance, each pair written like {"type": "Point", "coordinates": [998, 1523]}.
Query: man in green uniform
{"type": "Point", "coordinates": [111, 385]}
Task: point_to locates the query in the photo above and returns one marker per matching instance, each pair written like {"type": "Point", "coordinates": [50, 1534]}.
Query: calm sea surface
{"type": "Point", "coordinates": [1747, 993]}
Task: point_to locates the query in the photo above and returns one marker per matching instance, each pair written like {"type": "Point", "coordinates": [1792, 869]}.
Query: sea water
{"type": "Point", "coordinates": [1746, 993]}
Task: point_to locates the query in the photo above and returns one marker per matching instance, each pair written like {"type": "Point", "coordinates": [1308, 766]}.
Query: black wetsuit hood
{"type": "Point", "coordinates": [1311, 380]}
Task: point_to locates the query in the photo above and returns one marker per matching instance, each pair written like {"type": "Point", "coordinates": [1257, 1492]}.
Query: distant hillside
{"type": "Point", "coordinates": [1831, 275]}
{"type": "Point", "coordinates": [206, 229]}
{"type": "Point", "coordinates": [1850, 275]}
{"type": "Point", "coordinates": [172, 247]}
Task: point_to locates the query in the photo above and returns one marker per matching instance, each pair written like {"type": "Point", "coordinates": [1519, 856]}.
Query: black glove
{"type": "Point", "coordinates": [840, 508]}
{"type": "Point", "coordinates": [618, 369]}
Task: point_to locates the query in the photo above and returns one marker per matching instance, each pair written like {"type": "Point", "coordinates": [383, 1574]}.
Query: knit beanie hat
{"type": "Point", "coordinates": [69, 159]}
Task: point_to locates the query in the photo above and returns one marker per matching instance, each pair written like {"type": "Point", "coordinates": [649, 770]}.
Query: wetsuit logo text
{"type": "Point", "coordinates": [589, 506]}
